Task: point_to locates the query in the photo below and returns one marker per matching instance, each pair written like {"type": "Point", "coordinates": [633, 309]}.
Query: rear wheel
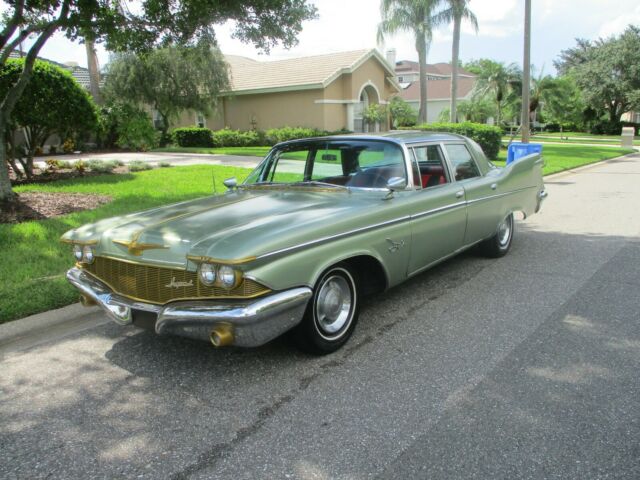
{"type": "Point", "coordinates": [332, 313]}
{"type": "Point", "coordinates": [498, 245]}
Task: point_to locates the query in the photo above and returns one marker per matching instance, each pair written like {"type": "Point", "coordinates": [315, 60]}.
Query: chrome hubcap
{"type": "Point", "coordinates": [333, 306]}
{"type": "Point", "coordinates": [504, 231]}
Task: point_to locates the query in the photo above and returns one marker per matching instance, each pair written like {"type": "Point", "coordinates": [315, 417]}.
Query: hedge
{"type": "Point", "coordinates": [487, 136]}
{"type": "Point", "coordinates": [192, 137]}
{"type": "Point", "coordinates": [203, 137]}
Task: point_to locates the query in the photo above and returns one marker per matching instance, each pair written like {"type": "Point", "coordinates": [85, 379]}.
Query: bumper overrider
{"type": "Point", "coordinates": [244, 323]}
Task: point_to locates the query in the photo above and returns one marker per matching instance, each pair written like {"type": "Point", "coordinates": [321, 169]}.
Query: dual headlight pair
{"type": "Point", "coordinates": [219, 275]}
{"type": "Point", "coordinates": [83, 254]}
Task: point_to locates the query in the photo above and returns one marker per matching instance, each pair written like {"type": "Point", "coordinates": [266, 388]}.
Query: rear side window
{"type": "Point", "coordinates": [463, 165]}
{"type": "Point", "coordinates": [430, 165]}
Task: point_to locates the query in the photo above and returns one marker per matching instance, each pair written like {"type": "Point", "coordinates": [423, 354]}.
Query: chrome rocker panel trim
{"type": "Point", "coordinates": [253, 322]}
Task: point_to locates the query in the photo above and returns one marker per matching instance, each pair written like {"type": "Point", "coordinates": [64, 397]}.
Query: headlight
{"type": "Point", "coordinates": [207, 274]}
{"type": "Point", "coordinates": [87, 254]}
{"type": "Point", "coordinates": [77, 252]}
{"type": "Point", "coordinates": [227, 276]}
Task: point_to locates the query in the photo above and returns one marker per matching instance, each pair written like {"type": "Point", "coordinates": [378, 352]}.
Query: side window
{"type": "Point", "coordinates": [463, 165]}
{"type": "Point", "coordinates": [431, 165]}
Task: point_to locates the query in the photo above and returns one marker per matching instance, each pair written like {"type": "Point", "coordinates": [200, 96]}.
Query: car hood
{"type": "Point", "coordinates": [236, 225]}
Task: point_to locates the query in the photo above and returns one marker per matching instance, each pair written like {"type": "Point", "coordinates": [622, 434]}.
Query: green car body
{"type": "Point", "coordinates": [273, 241]}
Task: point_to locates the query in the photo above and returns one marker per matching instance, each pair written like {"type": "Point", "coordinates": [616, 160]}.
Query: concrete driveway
{"type": "Point", "coordinates": [156, 157]}
{"type": "Point", "coordinates": [524, 367]}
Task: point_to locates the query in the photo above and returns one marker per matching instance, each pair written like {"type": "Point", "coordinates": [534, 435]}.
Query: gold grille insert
{"type": "Point", "coordinates": [153, 284]}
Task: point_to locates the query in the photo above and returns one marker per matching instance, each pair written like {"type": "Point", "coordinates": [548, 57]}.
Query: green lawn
{"type": "Point", "coordinates": [564, 157]}
{"type": "Point", "coordinates": [242, 151]}
{"type": "Point", "coordinates": [33, 261]}
{"type": "Point", "coordinates": [573, 137]}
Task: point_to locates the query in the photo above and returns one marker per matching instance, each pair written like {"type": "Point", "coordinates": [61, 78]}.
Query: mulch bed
{"type": "Point", "coordinates": [41, 205]}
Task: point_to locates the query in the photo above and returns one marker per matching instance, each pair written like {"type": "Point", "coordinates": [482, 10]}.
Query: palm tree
{"type": "Point", "coordinates": [496, 79]}
{"type": "Point", "coordinates": [457, 11]}
{"type": "Point", "coordinates": [415, 16]}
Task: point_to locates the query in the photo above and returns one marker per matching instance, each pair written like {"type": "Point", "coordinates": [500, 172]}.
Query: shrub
{"type": "Point", "coordinates": [139, 166]}
{"type": "Point", "coordinates": [68, 146]}
{"type": "Point", "coordinates": [237, 138]}
{"type": "Point", "coordinates": [80, 167]}
{"type": "Point", "coordinates": [402, 114]}
{"type": "Point", "coordinates": [192, 137]}
{"type": "Point", "coordinates": [65, 165]}
{"type": "Point", "coordinates": [487, 136]}
{"type": "Point", "coordinates": [164, 164]}
{"type": "Point", "coordinates": [53, 164]}
{"type": "Point", "coordinates": [126, 126]}
{"type": "Point", "coordinates": [99, 166]}
{"type": "Point", "coordinates": [277, 135]}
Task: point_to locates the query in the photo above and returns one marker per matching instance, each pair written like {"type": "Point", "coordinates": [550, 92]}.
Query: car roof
{"type": "Point", "coordinates": [401, 137]}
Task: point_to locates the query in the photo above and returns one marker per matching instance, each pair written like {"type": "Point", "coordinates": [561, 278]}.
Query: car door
{"type": "Point", "coordinates": [482, 193]}
{"type": "Point", "coordinates": [438, 213]}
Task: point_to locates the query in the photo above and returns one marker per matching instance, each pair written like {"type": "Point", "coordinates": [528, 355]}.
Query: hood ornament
{"type": "Point", "coordinates": [135, 248]}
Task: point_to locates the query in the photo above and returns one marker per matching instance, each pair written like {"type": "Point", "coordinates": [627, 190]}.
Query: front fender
{"type": "Point", "coordinates": [389, 245]}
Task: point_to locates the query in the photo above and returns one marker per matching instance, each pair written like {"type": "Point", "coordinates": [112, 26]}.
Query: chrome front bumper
{"type": "Point", "coordinates": [251, 322]}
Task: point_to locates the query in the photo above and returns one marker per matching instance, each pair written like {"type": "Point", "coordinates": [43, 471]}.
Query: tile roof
{"type": "Point", "coordinates": [442, 68]}
{"type": "Point", "coordinates": [253, 76]}
{"type": "Point", "coordinates": [438, 89]}
{"type": "Point", "coordinates": [81, 74]}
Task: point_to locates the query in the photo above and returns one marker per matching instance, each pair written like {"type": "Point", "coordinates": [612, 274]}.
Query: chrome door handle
{"type": "Point", "coordinates": [494, 186]}
{"type": "Point", "coordinates": [460, 194]}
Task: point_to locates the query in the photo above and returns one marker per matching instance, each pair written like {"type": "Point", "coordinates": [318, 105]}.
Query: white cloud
{"type": "Point", "coordinates": [618, 24]}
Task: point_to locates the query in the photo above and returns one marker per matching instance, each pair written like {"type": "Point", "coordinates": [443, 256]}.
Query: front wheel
{"type": "Point", "coordinates": [332, 313]}
{"type": "Point", "coordinates": [498, 245]}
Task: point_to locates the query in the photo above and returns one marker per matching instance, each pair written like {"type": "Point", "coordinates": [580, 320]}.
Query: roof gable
{"type": "Point", "coordinates": [317, 71]}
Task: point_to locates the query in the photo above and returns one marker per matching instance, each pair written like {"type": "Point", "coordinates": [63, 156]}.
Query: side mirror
{"type": "Point", "coordinates": [396, 183]}
{"type": "Point", "coordinates": [231, 183]}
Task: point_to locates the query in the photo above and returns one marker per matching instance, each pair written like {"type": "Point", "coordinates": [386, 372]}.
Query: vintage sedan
{"type": "Point", "coordinates": [319, 224]}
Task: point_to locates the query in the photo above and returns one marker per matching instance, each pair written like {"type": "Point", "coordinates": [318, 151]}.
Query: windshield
{"type": "Point", "coordinates": [340, 163]}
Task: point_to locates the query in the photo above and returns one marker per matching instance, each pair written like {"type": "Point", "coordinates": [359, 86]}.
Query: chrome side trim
{"type": "Point", "coordinates": [438, 210]}
{"type": "Point", "coordinates": [329, 238]}
{"type": "Point", "coordinates": [323, 240]}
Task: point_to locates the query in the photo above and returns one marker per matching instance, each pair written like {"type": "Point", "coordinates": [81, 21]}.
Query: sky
{"type": "Point", "coordinates": [352, 24]}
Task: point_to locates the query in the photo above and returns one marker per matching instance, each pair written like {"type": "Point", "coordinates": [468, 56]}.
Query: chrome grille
{"type": "Point", "coordinates": [152, 284]}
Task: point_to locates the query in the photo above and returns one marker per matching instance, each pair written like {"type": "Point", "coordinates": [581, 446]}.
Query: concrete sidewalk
{"type": "Point", "coordinates": [155, 157]}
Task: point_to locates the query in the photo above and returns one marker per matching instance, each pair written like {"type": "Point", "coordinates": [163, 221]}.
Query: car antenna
{"type": "Point", "coordinates": [213, 180]}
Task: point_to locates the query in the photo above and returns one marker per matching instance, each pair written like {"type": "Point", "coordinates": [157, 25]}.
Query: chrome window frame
{"type": "Point", "coordinates": [450, 162]}
{"type": "Point", "coordinates": [446, 164]}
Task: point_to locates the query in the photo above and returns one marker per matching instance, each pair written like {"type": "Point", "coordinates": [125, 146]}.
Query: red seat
{"type": "Point", "coordinates": [432, 175]}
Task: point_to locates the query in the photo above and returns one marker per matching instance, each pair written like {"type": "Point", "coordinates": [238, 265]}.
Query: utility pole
{"type": "Point", "coordinates": [526, 71]}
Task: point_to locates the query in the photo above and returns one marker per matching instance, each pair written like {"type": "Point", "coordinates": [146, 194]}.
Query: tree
{"type": "Point", "coordinates": [261, 22]}
{"type": "Point", "coordinates": [607, 72]}
{"type": "Point", "coordinates": [457, 11]}
{"type": "Point", "coordinates": [496, 80]}
{"type": "Point", "coordinates": [170, 80]}
{"type": "Point", "coordinates": [52, 102]}
{"type": "Point", "coordinates": [417, 17]}
{"type": "Point", "coordinates": [563, 104]}
{"type": "Point", "coordinates": [402, 114]}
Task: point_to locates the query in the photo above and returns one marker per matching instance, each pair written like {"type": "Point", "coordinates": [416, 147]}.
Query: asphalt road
{"type": "Point", "coordinates": [524, 367]}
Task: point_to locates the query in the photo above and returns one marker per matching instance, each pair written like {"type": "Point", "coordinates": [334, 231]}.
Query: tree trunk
{"type": "Point", "coordinates": [94, 71]}
{"type": "Point", "coordinates": [6, 193]}
{"type": "Point", "coordinates": [455, 53]}
{"type": "Point", "coordinates": [10, 99]}
{"type": "Point", "coordinates": [421, 46]}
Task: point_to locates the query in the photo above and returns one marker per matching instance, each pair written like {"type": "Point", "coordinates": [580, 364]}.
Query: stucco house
{"type": "Point", "coordinates": [438, 86]}
{"type": "Point", "coordinates": [328, 92]}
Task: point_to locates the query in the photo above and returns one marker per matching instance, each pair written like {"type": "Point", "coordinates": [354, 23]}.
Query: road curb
{"type": "Point", "coordinates": [41, 327]}
{"type": "Point", "coordinates": [586, 167]}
